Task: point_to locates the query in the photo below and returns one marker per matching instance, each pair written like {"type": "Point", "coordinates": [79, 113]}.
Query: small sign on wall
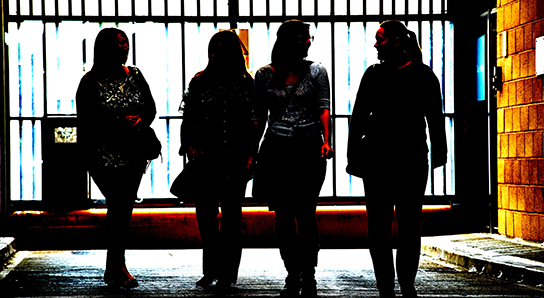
{"type": "Point", "coordinates": [539, 56]}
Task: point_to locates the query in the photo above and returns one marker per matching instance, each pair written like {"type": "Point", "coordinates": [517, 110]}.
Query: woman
{"type": "Point", "coordinates": [387, 147]}
{"type": "Point", "coordinates": [293, 95]}
{"type": "Point", "coordinates": [114, 105]}
{"type": "Point", "coordinates": [216, 134]}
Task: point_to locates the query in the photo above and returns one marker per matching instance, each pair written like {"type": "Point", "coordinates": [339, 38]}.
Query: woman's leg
{"type": "Point", "coordinates": [231, 230]}
{"type": "Point", "coordinates": [120, 188]}
{"type": "Point", "coordinates": [208, 227]}
{"type": "Point", "coordinates": [408, 213]}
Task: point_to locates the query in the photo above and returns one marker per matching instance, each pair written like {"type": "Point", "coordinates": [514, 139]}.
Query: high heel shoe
{"type": "Point", "coordinates": [205, 281]}
{"type": "Point", "coordinates": [120, 278]}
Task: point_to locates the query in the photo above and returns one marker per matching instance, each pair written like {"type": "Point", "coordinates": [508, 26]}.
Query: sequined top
{"type": "Point", "coordinates": [292, 110]}
{"type": "Point", "coordinates": [217, 119]}
{"type": "Point", "coordinates": [103, 104]}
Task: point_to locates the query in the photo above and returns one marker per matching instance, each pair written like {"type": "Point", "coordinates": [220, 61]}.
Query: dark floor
{"type": "Point", "coordinates": [172, 273]}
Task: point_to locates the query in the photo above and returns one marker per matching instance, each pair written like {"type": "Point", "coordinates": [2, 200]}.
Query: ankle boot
{"type": "Point", "coordinates": [308, 283]}
{"type": "Point", "coordinates": [292, 285]}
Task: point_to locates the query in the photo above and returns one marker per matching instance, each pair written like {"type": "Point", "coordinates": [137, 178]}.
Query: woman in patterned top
{"type": "Point", "coordinates": [216, 135]}
{"type": "Point", "coordinates": [113, 103]}
{"type": "Point", "coordinates": [293, 95]}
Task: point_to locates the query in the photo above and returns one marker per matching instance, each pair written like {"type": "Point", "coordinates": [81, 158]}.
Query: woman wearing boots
{"type": "Point", "coordinates": [293, 95]}
{"type": "Point", "coordinates": [387, 146]}
{"type": "Point", "coordinates": [216, 135]}
{"type": "Point", "coordinates": [114, 104]}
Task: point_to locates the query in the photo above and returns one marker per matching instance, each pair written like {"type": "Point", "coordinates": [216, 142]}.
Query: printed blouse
{"type": "Point", "coordinates": [292, 110]}
{"type": "Point", "coordinates": [104, 106]}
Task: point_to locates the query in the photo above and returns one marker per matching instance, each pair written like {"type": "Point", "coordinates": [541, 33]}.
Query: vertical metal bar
{"type": "Point", "coordinates": [149, 8]}
{"type": "Point", "coordinates": [166, 8]}
{"type": "Point", "coordinates": [234, 13]}
{"type": "Point", "coordinates": [83, 8]}
{"type": "Point", "coordinates": [198, 14]}
{"type": "Point", "coordinates": [393, 7]}
{"type": "Point", "coordinates": [267, 8]}
{"type": "Point", "coordinates": [333, 102]}
{"type": "Point", "coordinates": [183, 70]}
{"type": "Point", "coordinates": [100, 8]}
{"type": "Point", "coordinates": [381, 7]}
{"type": "Point", "coordinates": [283, 8]}
{"type": "Point", "coordinates": [116, 8]}
{"type": "Point", "coordinates": [70, 8]}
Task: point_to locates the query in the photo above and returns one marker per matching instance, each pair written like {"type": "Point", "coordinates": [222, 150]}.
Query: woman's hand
{"type": "Point", "coordinates": [193, 153]}
{"type": "Point", "coordinates": [326, 150]}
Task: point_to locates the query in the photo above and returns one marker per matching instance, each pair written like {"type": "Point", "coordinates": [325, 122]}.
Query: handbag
{"type": "Point", "coordinates": [188, 184]}
{"type": "Point", "coordinates": [149, 147]}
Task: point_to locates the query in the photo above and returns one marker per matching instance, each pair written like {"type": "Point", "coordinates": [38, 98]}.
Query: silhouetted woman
{"type": "Point", "coordinates": [387, 147]}
{"type": "Point", "coordinates": [293, 95]}
{"type": "Point", "coordinates": [113, 103]}
{"type": "Point", "coordinates": [216, 135]}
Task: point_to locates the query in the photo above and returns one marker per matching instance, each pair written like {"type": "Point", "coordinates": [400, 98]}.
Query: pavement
{"type": "Point", "coordinates": [472, 265]}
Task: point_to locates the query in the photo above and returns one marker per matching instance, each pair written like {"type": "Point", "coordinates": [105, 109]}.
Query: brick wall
{"type": "Point", "coordinates": [520, 121]}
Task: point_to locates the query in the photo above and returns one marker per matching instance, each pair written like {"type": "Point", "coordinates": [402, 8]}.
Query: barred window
{"type": "Point", "coordinates": [50, 46]}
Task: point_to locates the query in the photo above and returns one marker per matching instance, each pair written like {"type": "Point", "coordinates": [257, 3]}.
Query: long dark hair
{"type": "Point", "coordinates": [290, 48]}
{"type": "Point", "coordinates": [408, 39]}
{"type": "Point", "coordinates": [106, 50]}
{"type": "Point", "coordinates": [232, 63]}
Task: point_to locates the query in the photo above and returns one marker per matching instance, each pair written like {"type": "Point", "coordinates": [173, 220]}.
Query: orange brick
{"type": "Point", "coordinates": [540, 228]}
{"type": "Point", "coordinates": [507, 69]}
{"type": "Point", "coordinates": [524, 118]}
{"type": "Point", "coordinates": [540, 117]}
{"type": "Point", "coordinates": [528, 91]}
{"type": "Point", "coordinates": [538, 200]}
{"type": "Point", "coordinates": [518, 225]}
{"type": "Point", "coordinates": [524, 65]}
{"type": "Point", "coordinates": [509, 224]}
{"type": "Point", "coordinates": [530, 199]}
{"type": "Point", "coordinates": [527, 11]}
{"type": "Point", "coordinates": [502, 100]}
{"type": "Point", "coordinates": [516, 119]}
{"type": "Point", "coordinates": [520, 92]}
{"type": "Point", "coordinates": [508, 170]}
{"type": "Point", "coordinates": [507, 17]}
{"type": "Point", "coordinates": [534, 226]}
{"type": "Point", "coordinates": [500, 170]}
{"type": "Point", "coordinates": [502, 222]}
{"type": "Point", "coordinates": [515, 67]}
{"type": "Point", "coordinates": [520, 145]}
{"type": "Point", "coordinates": [520, 41]}
{"type": "Point", "coordinates": [514, 16]}
{"type": "Point", "coordinates": [516, 172]}
{"type": "Point", "coordinates": [505, 198]}
{"type": "Point", "coordinates": [500, 120]}
{"type": "Point", "coordinates": [539, 9]}
{"type": "Point", "coordinates": [512, 145]}
{"type": "Point", "coordinates": [537, 89]}
{"type": "Point", "coordinates": [533, 117]}
{"type": "Point", "coordinates": [528, 37]}
{"type": "Point", "coordinates": [537, 144]}
{"type": "Point", "coordinates": [524, 164]}
{"type": "Point", "coordinates": [532, 63]}
{"type": "Point", "coordinates": [540, 172]}
{"type": "Point", "coordinates": [529, 144]}
{"type": "Point", "coordinates": [508, 121]}
{"type": "Point", "coordinates": [533, 171]}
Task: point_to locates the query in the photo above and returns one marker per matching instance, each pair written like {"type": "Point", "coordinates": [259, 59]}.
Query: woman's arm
{"type": "Point", "coordinates": [435, 120]}
{"type": "Point", "coordinates": [326, 150]}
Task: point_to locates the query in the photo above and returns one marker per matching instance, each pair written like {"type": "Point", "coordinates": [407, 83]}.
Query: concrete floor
{"type": "Point", "coordinates": [172, 273]}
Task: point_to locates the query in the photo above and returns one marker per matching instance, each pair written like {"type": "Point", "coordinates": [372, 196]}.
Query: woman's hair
{"type": "Point", "coordinates": [408, 39]}
{"type": "Point", "coordinates": [225, 55]}
{"type": "Point", "coordinates": [106, 47]}
{"type": "Point", "coordinates": [286, 49]}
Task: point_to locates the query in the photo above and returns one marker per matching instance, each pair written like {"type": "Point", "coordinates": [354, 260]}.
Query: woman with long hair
{"type": "Point", "coordinates": [216, 135]}
{"type": "Point", "coordinates": [114, 104]}
{"type": "Point", "coordinates": [293, 96]}
{"type": "Point", "coordinates": [397, 100]}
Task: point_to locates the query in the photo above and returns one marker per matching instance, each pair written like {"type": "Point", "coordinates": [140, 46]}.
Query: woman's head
{"type": "Point", "coordinates": [292, 43]}
{"type": "Point", "coordinates": [110, 48]}
{"type": "Point", "coordinates": [225, 52]}
{"type": "Point", "coordinates": [395, 42]}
